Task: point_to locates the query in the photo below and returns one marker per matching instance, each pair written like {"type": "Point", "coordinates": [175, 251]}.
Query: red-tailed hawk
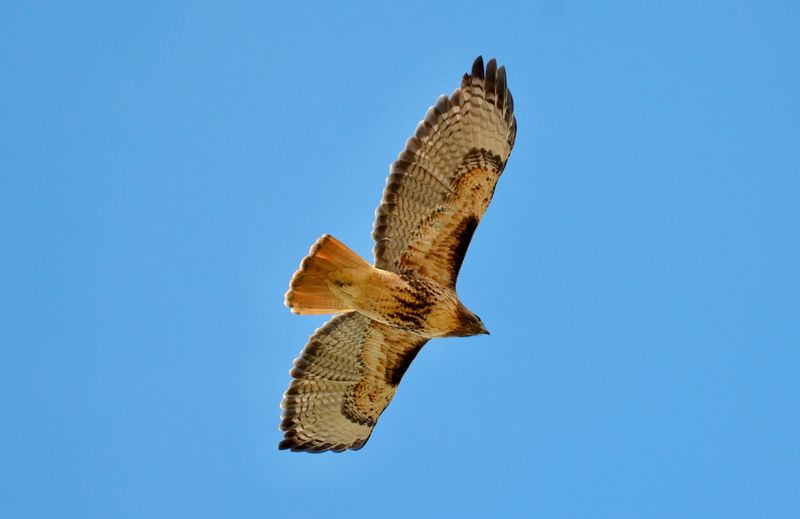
{"type": "Point", "coordinates": [437, 191]}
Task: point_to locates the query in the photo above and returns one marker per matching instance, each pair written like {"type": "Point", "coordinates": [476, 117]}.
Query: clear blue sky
{"type": "Point", "coordinates": [164, 166]}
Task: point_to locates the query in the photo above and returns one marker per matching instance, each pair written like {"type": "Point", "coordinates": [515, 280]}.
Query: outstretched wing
{"type": "Point", "coordinates": [444, 179]}
{"type": "Point", "coordinates": [343, 380]}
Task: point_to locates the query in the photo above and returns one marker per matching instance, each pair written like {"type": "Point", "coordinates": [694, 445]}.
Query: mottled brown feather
{"type": "Point", "coordinates": [343, 380]}
{"type": "Point", "coordinates": [427, 205]}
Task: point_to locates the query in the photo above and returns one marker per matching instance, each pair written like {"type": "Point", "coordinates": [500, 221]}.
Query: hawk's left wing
{"type": "Point", "coordinates": [444, 179]}
{"type": "Point", "coordinates": [343, 380]}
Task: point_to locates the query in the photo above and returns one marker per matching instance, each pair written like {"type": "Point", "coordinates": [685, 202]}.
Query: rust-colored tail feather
{"type": "Point", "coordinates": [309, 290]}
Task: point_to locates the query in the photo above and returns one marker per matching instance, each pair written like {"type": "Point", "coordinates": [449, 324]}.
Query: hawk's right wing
{"type": "Point", "coordinates": [343, 380]}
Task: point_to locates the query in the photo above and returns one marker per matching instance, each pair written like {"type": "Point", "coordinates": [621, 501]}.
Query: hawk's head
{"type": "Point", "coordinates": [468, 323]}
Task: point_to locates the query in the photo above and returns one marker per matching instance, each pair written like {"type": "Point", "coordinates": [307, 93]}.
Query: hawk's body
{"type": "Point", "coordinates": [436, 194]}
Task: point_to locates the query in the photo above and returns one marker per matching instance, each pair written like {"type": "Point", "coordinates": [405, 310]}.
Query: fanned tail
{"type": "Point", "coordinates": [310, 288]}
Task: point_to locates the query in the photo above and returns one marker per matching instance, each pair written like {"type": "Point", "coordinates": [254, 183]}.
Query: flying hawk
{"type": "Point", "coordinates": [437, 191]}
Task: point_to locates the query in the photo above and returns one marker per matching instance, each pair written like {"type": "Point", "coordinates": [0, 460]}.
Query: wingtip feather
{"type": "Point", "coordinates": [477, 67]}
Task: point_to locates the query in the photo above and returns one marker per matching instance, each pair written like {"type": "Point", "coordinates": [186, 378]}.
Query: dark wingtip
{"type": "Point", "coordinates": [477, 67]}
{"type": "Point", "coordinates": [491, 68]}
{"type": "Point", "coordinates": [292, 443]}
{"type": "Point", "coordinates": [502, 87]}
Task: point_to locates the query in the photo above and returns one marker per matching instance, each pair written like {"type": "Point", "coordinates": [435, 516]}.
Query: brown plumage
{"type": "Point", "coordinates": [435, 196]}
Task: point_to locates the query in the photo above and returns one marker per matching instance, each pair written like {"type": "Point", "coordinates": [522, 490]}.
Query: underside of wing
{"type": "Point", "coordinates": [343, 380]}
{"type": "Point", "coordinates": [444, 179]}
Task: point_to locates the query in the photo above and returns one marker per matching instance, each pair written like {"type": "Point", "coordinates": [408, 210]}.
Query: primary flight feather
{"type": "Point", "coordinates": [437, 191]}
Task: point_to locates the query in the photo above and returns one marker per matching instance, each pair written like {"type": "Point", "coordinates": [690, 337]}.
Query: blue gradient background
{"type": "Point", "coordinates": [165, 166]}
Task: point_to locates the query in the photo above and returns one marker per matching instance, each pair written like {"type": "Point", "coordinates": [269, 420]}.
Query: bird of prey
{"type": "Point", "coordinates": [437, 191]}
